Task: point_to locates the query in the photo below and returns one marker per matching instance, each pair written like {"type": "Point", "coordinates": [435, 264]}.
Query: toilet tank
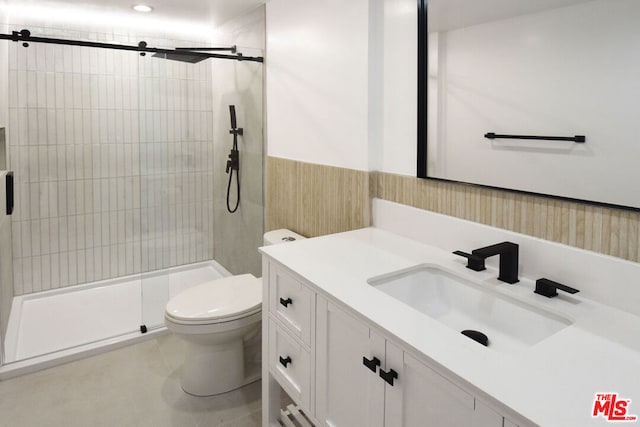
{"type": "Point", "coordinates": [281, 236]}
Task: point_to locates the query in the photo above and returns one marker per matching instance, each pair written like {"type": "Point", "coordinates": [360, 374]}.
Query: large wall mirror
{"type": "Point", "coordinates": [539, 96]}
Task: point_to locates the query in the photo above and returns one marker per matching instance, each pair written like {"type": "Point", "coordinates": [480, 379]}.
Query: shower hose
{"type": "Point", "coordinates": [233, 164]}
{"type": "Point", "coordinates": [234, 153]}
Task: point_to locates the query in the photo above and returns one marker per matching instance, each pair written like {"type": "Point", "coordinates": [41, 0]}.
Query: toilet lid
{"type": "Point", "coordinates": [217, 299]}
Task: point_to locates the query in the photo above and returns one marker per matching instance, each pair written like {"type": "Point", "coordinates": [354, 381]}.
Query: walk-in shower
{"type": "Point", "coordinates": [117, 181]}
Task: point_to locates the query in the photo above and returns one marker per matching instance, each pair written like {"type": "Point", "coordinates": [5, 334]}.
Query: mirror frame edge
{"type": "Point", "coordinates": [423, 52]}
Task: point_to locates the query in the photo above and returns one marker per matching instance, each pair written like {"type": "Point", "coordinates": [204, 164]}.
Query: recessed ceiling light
{"type": "Point", "coordinates": [142, 8]}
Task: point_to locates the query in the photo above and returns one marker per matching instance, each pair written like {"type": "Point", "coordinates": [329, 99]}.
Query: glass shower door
{"type": "Point", "coordinates": [154, 189]}
{"type": "Point", "coordinates": [73, 145]}
{"type": "Point", "coordinates": [176, 177]}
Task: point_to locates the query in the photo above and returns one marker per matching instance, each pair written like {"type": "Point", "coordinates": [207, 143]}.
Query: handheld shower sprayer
{"type": "Point", "coordinates": [233, 163]}
{"type": "Point", "coordinates": [232, 113]}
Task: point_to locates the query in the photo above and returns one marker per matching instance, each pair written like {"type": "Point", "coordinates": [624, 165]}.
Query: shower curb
{"type": "Point", "coordinates": [39, 363]}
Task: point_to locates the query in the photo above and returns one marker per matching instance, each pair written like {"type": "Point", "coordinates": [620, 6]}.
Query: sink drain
{"type": "Point", "coordinates": [476, 336]}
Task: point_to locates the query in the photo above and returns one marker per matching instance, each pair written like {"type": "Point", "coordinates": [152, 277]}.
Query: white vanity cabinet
{"type": "Point", "coordinates": [347, 374]}
{"type": "Point", "coordinates": [348, 392]}
{"type": "Point", "coordinates": [364, 380]}
{"type": "Point", "coordinates": [289, 322]}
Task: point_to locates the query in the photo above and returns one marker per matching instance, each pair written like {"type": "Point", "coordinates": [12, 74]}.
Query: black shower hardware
{"type": "Point", "coordinates": [183, 54]}
{"type": "Point", "coordinates": [232, 49]}
{"type": "Point", "coordinates": [191, 55]}
{"type": "Point", "coordinates": [9, 192]}
{"type": "Point", "coordinates": [508, 251]}
{"type": "Point", "coordinates": [579, 139]}
{"type": "Point", "coordinates": [233, 164]}
{"type": "Point", "coordinates": [548, 288]}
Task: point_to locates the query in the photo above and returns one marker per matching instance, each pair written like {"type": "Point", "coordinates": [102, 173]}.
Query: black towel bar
{"type": "Point", "coordinates": [580, 139]}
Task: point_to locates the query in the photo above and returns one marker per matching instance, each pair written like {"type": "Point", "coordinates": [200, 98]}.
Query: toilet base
{"type": "Point", "coordinates": [209, 370]}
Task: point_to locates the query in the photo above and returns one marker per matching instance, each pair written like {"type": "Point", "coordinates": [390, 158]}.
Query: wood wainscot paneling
{"type": "Point", "coordinates": [315, 200]}
{"type": "Point", "coordinates": [605, 230]}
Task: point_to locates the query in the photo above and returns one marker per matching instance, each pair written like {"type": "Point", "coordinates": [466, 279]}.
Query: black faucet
{"type": "Point", "coordinates": [508, 252]}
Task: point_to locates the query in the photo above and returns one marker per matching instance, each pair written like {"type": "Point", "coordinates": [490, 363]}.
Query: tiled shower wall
{"type": "Point", "coordinates": [113, 162]}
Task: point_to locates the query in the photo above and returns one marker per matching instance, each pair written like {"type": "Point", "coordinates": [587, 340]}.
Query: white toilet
{"type": "Point", "coordinates": [220, 320]}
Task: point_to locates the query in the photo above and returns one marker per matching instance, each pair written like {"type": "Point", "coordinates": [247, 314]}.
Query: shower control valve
{"type": "Point", "coordinates": [234, 161]}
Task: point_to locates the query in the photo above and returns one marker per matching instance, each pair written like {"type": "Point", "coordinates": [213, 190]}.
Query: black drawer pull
{"type": "Point", "coordinates": [285, 362]}
{"type": "Point", "coordinates": [389, 376]}
{"type": "Point", "coordinates": [371, 364]}
{"type": "Point", "coordinates": [285, 302]}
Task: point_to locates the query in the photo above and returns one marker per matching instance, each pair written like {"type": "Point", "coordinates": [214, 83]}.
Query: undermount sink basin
{"type": "Point", "coordinates": [509, 324]}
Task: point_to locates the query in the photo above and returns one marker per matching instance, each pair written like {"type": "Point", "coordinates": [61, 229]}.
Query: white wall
{"type": "Point", "coordinates": [317, 81]}
{"type": "Point", "coordinates": [341, 83]}
{"type": "Point", "coordinates": [399, 144]}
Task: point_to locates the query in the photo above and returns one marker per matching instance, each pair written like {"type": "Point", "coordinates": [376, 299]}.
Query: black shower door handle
{"type": "Point", "coordinates": [9, 192]}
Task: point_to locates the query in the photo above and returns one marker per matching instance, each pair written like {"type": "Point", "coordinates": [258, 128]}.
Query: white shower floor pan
{"type": "Point", "coordinates": [56, 326]}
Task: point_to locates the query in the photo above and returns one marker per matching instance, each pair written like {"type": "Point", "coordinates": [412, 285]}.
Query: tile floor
{"type": "Point", "coordinates": [137, 385]}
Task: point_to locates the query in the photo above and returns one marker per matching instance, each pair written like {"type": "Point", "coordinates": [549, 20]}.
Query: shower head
{"type": "Point", "coordinates": [181, 57]}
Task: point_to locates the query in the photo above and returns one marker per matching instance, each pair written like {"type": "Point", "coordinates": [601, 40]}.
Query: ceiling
{"type": "Point", "coordinates": [194, 12]}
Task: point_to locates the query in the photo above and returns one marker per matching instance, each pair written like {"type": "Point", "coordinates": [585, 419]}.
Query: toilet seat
{"type": "Point", "coordinates": [218, 301]}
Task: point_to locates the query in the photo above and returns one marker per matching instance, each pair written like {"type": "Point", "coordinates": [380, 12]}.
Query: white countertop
{"type": "Point", "coordinates": [552, 383]}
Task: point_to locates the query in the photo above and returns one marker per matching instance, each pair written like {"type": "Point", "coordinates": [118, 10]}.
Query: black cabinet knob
{"type": "Point", "coordinates": [372, 363]}
{"type": "Point", "coordinates": [285, 302]}
{"type": "Point", "coordinates": [389, 376]}
{"type": "Point", "coordinates": [284, 362]}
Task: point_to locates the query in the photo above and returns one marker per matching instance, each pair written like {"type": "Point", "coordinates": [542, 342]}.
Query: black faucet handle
{"type": "Point", "coordinates": [474, 262]}
{"type": "Point", "coordinates": [548, 288]}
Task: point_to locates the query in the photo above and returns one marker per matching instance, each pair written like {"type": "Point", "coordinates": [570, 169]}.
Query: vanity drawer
{"type": "Point", "coordinates": [290, 363]}
{"type": "Point", "coordinates": [291, 302]}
